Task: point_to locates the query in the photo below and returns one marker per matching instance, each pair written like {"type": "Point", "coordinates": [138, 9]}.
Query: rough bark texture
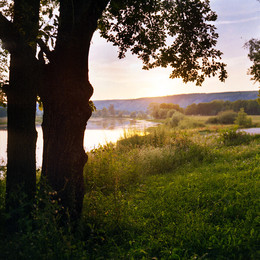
{"type": "Point", "coordinates": [64, 157]}
{"type": "Point", "coordinates": [21, 95]}
{"type": "Point", "coordinates": [65, 99]}
{"type": "Point", "coordinates": [66, 112]}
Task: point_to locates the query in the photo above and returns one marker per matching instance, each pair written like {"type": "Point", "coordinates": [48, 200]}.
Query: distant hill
{"type": "Point", "coordinates": [141, 104]}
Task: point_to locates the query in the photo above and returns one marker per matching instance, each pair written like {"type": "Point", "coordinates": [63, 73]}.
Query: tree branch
{"type": "Point", "coordinates": [12, 40]}
{"type": "Point", "coordinates": [8, 35]}
{"type": "Point", "coordinates": [45, 49]}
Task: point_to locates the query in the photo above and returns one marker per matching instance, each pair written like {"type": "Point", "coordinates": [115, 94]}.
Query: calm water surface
{"type": "Point", "coordinates": [99, 131]}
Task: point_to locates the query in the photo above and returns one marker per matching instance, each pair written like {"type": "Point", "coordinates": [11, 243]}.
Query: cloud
{"type": "Point", "coordinates": [238, 21]}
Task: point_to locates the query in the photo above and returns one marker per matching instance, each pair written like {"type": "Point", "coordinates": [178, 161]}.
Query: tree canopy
{"type": "Point", "coordinates": [254, 55]}
{"type": "Point", "coordinates": [179, 34]}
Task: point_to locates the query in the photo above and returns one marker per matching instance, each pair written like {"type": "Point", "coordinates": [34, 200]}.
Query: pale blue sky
{"type": "Point", "coordinates": [238, 21]}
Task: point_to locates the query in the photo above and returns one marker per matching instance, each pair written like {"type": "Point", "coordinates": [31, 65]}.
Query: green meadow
{"type": "Point", "coordinates": [164, 194]}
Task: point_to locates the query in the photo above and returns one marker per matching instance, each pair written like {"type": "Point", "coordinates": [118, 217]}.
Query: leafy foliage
{"type": "Point", "coordinates": [163, 110]}
{"type": "Point", "coordinates": [234, 137]}
{"type": "Point", "coordinates": [92, 106]}
{"type": "Point", "coordinates": [4, 63]}
{"type": "Point", "coordinates": [216, 106]}
{"type": "Point", "coordinates": [224, 117]}
{"type": "Point", "coordinates": [174, 120]}
{"type": "Point", "coordinates": [242, 119]}
{"type": "Point", "coordinates": [148, 27]}
{"type": "Point", "coordinates": [254, 55]}
{"type": "Point", "coordinates": [49, 21]}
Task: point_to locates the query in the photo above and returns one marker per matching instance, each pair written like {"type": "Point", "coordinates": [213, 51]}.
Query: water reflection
{"type": "Point", "coordinates": [114, 123]}
{"type": "Point", "coordinates": [98, 132]}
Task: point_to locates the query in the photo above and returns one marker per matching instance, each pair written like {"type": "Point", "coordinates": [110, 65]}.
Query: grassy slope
{"type": "Point", "coordinates": [207, 207]}
{"type": "Point", "coordinates": [167, 195]}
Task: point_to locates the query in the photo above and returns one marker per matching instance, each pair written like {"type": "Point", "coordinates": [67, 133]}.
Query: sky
{"type": "Point", "coordinates": [238, 21]}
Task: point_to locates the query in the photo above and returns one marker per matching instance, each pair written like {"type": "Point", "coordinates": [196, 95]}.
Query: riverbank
{"type": "Point", "coordinates": [164, 195]}
{"type": "Point", "coordinates": [98, 132]}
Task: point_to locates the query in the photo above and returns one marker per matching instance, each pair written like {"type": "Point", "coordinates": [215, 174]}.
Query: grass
{"type": "Point", "coordinates": [3, 121]}
{"type": "Point", "coordinates": [202, 205]}
{"type": "Point", "coordinates": [256, 120]}
{"type": "Point", "coordinates": [168, 194]}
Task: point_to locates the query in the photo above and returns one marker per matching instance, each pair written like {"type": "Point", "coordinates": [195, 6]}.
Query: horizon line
{"type": "Point", "coordinates": [175, 95]}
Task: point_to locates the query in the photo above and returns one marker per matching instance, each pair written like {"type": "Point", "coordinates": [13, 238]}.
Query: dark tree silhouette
{"type": "Point", "coordinates": [179, 34]}
{"type": "Point", "coordinates": [254, 55]}
{"type": "Point", "coordinates": [19, 39]}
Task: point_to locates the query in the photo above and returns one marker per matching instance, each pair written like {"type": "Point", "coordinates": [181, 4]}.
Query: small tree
{"type": "Point", "coordinates": [111, 110]}
{"type": "Point", "coordinates": [242, 119]}
{"type": "Point", "coordinates": [175, 119]}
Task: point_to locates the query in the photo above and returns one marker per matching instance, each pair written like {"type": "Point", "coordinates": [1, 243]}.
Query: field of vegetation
{"type": "Point", "coordinates": [166, 194]}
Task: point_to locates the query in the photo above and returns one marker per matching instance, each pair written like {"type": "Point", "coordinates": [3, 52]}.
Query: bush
{"type": "Point", "coordinates": [234, 137]}
{"type": "Point", "coordinates": [170, 113]}
{"type": "Point", "coordinates": [242, 119]}
{"type": "Point", "coordinates": [212, 120]}
{"type": "Point", "coordinates": [224, 117]}
{"type": "Point", "coordinates": [227, 117]}
{"type": "Point", "coordinates": [175, 119]}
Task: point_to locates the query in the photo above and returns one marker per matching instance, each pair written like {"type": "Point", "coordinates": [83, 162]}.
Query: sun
{"type": "Point", "coordinates": [162, 85]}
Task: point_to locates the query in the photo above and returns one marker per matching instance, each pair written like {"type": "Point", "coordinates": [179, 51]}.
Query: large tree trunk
{"type": "Point", "coordinates": [64, 123]}
{"type": "Point", "coordinates": [21, 169]}
{"type": "Point", "coordinates": [65, 100]}
{"type": "Point", "coordinates": [21, 98]}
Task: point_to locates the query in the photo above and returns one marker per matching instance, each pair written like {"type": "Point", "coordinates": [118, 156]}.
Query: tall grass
{"type": "Point", "coordinates": [157, 152]}
{"type": "Point", "coordinates": [164, 194]}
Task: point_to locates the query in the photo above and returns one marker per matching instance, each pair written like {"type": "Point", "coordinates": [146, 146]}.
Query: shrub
{"type": "Point", "coordinates": [224, 117]}
{"type": "Point", "coordinates": [242, 119]}
{"type": "Point", "coordinates": [170, 113]}
{"type": "Point", "coordinates": [175, 119]}
{"type": "Point", "coordinates": [227, 117]}
{"type": "Point", "coordinates": [234, 137]}
{"type": "Point", "coordinates": [212, 120]}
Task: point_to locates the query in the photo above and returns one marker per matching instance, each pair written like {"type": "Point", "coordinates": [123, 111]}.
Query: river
{"type": "Point", "coordinates": [251, 131]}
{"type": "Point", "coordinates": [98, 132]}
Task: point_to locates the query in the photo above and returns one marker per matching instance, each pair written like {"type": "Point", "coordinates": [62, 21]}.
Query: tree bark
{"type": "Point", "coordinates": [65, 99]}
{"type": "Point", "coordinates": [64, 122]}
{"type": "Point", "coordinates": [21, 107]}
{"type": "Point", "coordinates": [21, 143]}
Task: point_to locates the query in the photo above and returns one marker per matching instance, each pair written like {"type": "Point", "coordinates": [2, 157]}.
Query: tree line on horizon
{"type": "Point", "coordinates": [165, 110]}
{"type": "Point", "coordinates": [213, 108]}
